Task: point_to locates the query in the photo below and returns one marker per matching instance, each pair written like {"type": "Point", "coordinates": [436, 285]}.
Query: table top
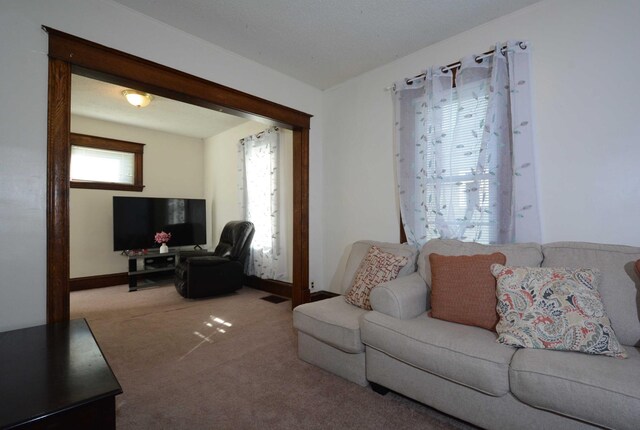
{"type": "Point", "coordinates": [49, 369]}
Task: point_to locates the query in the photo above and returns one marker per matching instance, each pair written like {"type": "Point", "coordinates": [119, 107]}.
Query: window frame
{"type": "Point", "coordinates": [88, 141]}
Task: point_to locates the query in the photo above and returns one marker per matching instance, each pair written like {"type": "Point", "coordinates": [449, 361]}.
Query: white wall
{"type": "Point", "coordinates": [221, 182]}
{"type": "Point", "coordinates": [23, 123]}
{"type": "Point", "coordinates": [585, 67]}
{"type": "Point", "coordinates": [173, 167]}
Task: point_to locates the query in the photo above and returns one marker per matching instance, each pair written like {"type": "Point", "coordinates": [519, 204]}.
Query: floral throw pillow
{"type": "Point", "coordinates": [376, 268]}
{"type": "Point", "coordinates": [553, 308]}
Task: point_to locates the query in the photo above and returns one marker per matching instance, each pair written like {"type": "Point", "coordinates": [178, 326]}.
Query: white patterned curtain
{"type": "Point", "coordinates": [258, 157]}
{"type": "Point", "coordinates": [464, 153]}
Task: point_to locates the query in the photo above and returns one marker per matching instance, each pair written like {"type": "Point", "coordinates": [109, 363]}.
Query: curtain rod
{"type": "Point", "coordinates": [258, 135]}
{"type": "Point", "coordinates": [274, 128]}
{"type": "Point", "coordinates": [457, 65]}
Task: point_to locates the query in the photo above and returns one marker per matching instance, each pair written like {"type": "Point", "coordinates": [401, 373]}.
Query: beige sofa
{"type": "Point", "coordinates": [461, 370]}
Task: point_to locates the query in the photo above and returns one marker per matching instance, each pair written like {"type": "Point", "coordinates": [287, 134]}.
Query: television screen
{"type": "Point", "coordinates": [136, 220]}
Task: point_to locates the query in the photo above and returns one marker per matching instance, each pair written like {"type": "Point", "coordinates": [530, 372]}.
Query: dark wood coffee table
{"type": "Point", "coordinates": [55, 376]}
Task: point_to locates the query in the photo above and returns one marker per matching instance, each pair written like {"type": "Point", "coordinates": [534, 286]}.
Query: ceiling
{"type": "Point", "coordinates": [104, 101]}
{"type": "Point", "coordinates": [320, 42]}
{"type": "Point", "coordinates": [324, 42]}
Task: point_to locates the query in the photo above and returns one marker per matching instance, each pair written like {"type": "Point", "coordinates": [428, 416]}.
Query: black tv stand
{"type": "Point", "coordinates": [197, 247]}
{"type": "Point", "coordinates": [154, 265]}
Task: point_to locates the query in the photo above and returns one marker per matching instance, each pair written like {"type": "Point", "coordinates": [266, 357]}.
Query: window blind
{"type": "Point", "coordinates": [101, 165]}
{"type": "Point", "coordinates": [459, 158]}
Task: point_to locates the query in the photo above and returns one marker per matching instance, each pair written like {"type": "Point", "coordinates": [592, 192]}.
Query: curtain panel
{"type": "Point", "coordinates": [464, 151]}
{"type": "Point", "coordinates": [259, 180]}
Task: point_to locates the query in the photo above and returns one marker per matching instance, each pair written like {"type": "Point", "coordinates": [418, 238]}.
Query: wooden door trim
{"type": "Point", "coordinates": [58, 129]}
{"type": "Point", "coordinates": [69, 54]}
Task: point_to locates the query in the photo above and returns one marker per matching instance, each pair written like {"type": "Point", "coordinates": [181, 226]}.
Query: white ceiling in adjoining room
{"type": "Point", "coordinates": [324, 42]}
{"type": "Point", "coordinates": [104, 101]}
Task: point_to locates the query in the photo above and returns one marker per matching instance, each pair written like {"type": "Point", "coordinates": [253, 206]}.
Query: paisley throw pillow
{"type": "Point", "coordinates": [553, 308]}
{"type": "Point", "coordinates": [376, 268]}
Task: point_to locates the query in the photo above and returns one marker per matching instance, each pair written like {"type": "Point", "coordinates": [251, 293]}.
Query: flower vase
{"type": "Point", "coordinates": [164, 248]}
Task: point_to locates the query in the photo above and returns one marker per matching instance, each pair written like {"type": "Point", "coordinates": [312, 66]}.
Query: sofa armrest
{"type": "Point", "coordinates": [403, 298]}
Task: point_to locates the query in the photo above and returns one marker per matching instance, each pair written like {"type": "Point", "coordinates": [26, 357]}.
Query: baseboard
{"type": "Point", "coordinates": [99, 281]}
{"type": "Point", "coordinates": [269, 285]}
{"type": "Point", "coordinates": [321, 295]}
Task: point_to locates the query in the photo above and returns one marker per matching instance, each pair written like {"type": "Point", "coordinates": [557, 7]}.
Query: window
{"type": "Point", "coordinates": [459, 158]}
{"type": "Point", "coordinates": [464, 150]}
{"type": "Point", "coordinates": [259, 169]}
{"type": "Point", "coordinates": [458, 187]}
{"type": "Point", "coordinates": [106, 164]}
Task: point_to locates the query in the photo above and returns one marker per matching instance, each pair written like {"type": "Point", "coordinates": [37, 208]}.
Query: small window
{"type": "Point", "coordinates": [105, 164]}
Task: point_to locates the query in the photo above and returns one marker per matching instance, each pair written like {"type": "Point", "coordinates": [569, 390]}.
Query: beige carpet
{"type": "Point", "coordinates": [227, 363]}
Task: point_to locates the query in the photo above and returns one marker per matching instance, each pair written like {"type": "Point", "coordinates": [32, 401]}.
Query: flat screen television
{"type": "Point", "coordinates": [136, 220]}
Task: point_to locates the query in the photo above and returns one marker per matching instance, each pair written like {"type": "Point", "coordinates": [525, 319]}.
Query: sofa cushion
{"type": "Point", "coordinates": [553, 308]}
{"type": "Point", "coordinates": [377, 268]}
{"type": "Point", "coordinates": [591, 388]}
{"type": "Point", "coordinates": [464, 354]}
{"type": "Point", "coordinates": [619, 283]}
{"type": "Point", "coordinates": [360, 249]}
{"type": "Point", "coordinates": [518, 254]}
{"type": "Point", "coordinates": [332, 321]}
{"type": "Point", "coordinates": [463, 290]}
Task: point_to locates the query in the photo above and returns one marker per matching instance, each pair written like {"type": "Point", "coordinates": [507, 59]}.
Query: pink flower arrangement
{"type": "Point", "coordinates": [162, 237]}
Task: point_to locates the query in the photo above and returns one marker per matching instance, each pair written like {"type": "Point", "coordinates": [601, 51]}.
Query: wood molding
{"type": "Point", "coordinates": [105, 186]}
{"type": "Point", "coordinates": [69, 54]}
{"type": "Point", "coordinates": [99, 61]}
{"type": "Point", "coordinates": [272, 286]}
{"type": "Point", "coordinates": [403, 235]}
{"type": "Point", "coordinates": [301, 293]}
{"type": "Point", "coordinates": [105, 143]}
{"type": "Point", "coordinates": [322, 295]}
{"type": "Point", "coordinates": [98, 281]}
{"type": "Point", "coordinates": [58, 128]}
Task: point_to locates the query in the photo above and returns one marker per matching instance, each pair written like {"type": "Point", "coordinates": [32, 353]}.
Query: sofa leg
{"type": "Point", "coordinates": [379, 388]}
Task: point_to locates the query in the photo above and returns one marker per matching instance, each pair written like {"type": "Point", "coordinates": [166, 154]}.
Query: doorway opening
{"type": "Point", "coordinates": [71, 55]}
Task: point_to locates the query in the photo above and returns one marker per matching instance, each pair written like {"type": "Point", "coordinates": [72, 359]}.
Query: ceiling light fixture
{"type": "Point", "coordinates": [137, 98]}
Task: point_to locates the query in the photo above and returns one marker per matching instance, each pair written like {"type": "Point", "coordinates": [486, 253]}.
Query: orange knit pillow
{"type": "Point", "coordinates": [463, 290]}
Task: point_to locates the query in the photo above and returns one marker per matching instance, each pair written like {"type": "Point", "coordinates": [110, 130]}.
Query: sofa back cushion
{"type": "Point", "coordinates": [619, 284]}
{"type": "Point", "coordinates": [518, 254]}
{"type": "Point", "coordinates": [360, 249]}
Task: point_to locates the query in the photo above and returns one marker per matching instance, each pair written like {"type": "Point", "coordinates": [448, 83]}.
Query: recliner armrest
{"type": "Point", "coordinates": [403, 298]}
{"type": "Point", "coordinates": [186, 255]}
{"type": "Point", "coordinates": [208, 261]}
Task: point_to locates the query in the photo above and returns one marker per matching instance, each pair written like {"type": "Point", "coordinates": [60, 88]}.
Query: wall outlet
{"type": "Point", "coordinates": [312, 285]}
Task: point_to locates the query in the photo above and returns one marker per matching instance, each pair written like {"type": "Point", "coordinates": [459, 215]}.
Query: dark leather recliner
{"type": "Point", "coordinates": [204, 274]}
